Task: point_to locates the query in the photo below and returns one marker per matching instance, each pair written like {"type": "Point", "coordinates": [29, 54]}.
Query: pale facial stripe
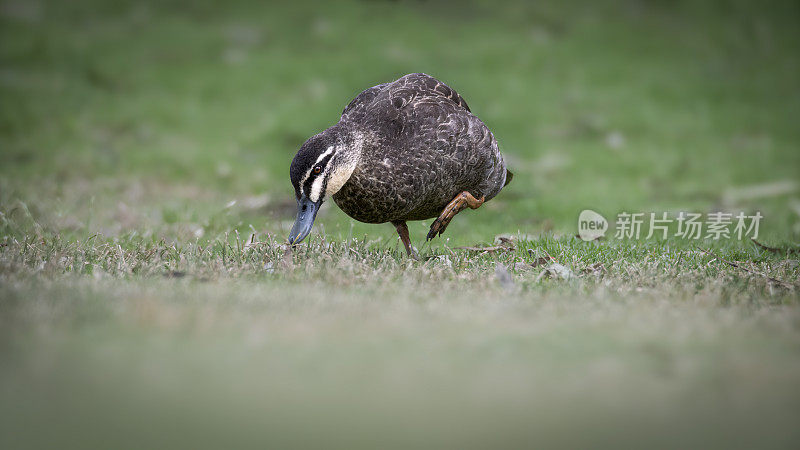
{"type": "Point", "coordinates": [321, 175]}
{"type": "Point", "coordinates": [316, 187]}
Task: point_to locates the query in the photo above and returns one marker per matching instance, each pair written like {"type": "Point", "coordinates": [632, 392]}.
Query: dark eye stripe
{"type": "Point", "coordinates": [313, 176]}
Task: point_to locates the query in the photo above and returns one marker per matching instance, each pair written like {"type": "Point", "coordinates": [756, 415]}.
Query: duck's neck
{"type": "Point", "coordinates": [347, 158]}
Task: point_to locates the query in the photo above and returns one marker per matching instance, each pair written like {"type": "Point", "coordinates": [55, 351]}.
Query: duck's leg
{"type": "Point", "coordinates": [402, 230]}
{"type": "Point", "coordinates": [461, 202]}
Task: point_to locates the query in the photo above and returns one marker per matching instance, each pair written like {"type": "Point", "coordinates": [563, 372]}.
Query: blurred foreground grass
{"type": "Point", "coordinates": [142, 143]}
{"type": "Point", "coordinates": [351, 345]}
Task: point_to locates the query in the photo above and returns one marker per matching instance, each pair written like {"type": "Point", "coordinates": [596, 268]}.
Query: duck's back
{"type": "Point", "coordinates": [421, 147]}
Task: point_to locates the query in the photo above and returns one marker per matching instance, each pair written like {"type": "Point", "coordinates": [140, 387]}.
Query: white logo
{"type": "Point", "coordinates": [591, 225]}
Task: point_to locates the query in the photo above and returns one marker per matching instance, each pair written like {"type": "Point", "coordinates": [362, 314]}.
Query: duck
{"type": "Point", "coordinates": [406, 150]}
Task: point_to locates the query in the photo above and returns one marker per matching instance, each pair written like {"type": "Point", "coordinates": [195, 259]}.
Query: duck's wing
{"type": "Point", "coordinates": [408, 90]}
{"type": "Point", "coordinates": [433, 135]}
{"type": "Point", "coordinates": [416, 108]}
{"type": "Point", "coordinates": [357, 108]}
{"type": "Point", "coordinates": [416, 87]}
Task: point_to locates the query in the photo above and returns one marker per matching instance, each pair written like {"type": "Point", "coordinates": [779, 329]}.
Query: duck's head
{"type": "Point", "coordinates": [320, 168]}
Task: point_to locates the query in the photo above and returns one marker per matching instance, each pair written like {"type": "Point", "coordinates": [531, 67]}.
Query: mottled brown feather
{"type": "Point", "coordinates": [421, 147]}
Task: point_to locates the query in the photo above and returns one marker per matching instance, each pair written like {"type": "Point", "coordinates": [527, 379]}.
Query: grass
{"type": "Point", "coordinates": [352, 344]}
{"type": "Point", "coordinates": [142, 144]}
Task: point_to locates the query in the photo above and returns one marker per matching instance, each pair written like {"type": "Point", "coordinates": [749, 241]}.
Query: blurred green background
{"type": "Point", "coordinates": [138, 137]}
{"type": "Point", "coordinates": [124, 116]}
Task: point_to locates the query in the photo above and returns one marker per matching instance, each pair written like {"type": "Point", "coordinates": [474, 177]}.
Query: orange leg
{"type": "Point", "coordinates": [402, 230]}
{"type": "Point", "coordinates": [461, 202]}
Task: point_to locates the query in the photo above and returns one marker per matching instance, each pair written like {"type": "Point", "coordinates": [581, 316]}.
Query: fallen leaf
{"type": "Point", "coordinates": [556, 270]}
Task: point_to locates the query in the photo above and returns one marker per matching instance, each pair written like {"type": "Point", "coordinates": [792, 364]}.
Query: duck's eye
{"type": "Point", "coordinates": [317, 170]}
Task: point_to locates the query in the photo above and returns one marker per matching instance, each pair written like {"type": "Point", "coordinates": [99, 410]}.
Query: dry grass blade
{"type": "Point", "coordinates": [485, 249]}
{"type": "Point", "coordinates": [739, 266]}
{"type": "Point", "coordinates": [251, 242]}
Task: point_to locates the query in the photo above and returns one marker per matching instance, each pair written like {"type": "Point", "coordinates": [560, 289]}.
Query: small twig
{"type": "Point", "coordinates": [773, 249]}
{"type": "Point", "coordinates": [739, 266]}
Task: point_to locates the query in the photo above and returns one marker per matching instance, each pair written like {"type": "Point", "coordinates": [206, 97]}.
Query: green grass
{"type": "Point", "coordinates": [142, 144]}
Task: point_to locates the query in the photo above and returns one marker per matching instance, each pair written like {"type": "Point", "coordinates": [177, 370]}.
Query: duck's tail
{"type": "Point", "coordinates": [509, 176]}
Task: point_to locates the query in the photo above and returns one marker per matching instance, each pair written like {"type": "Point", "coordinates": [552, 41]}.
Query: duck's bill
{"type": "Point", "coordinates": [306, 213]}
